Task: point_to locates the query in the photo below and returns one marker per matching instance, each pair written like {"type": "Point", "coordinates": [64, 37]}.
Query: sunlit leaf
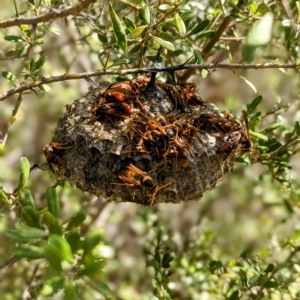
{"type": "Point", "coordinates": [180, 26]}
{"type": "Point", "coordinates": [137, 32]}
{"type": "Point", "coordinates": [118, 29]}
{"type": "Point", "coordinates": [249, 83]}
{"type": "Point", "coordinates": [164, 44]}
{"type": "Point", "coordinates": [145, 12]}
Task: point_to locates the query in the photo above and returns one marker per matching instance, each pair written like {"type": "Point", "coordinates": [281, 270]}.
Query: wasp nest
{"type": "Point", "coordinates": [145, 141]}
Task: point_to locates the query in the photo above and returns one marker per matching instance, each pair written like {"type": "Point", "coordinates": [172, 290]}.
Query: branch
{"type": "Point", "coordinates": [45, 80]}
{"type": "Point", "coordinates": [205, 53]}
{"type": "Point", "coordinates": [52, 15]}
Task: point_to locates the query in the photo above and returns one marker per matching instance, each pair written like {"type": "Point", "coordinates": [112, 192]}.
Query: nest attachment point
{"type": "Point", "coordinates": [145, 141]}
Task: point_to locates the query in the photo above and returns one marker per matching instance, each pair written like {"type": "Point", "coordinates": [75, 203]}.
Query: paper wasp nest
{"type": "Point", "coordinates": [145, 141]}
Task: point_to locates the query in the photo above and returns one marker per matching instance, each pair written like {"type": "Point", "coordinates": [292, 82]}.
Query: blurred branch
{"type": "Point", "coordinates": [50, 16]}
{"type": "Point", "coordinates": [12, 119]}
{"type": "Point", "coordinates": [85, 75]}
{"type": "Point", "coordinates": [210, 44]}
{"type": "Point", "coordinates": [9, 262]}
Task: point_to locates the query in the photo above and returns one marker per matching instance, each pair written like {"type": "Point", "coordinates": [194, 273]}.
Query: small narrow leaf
{"type": "Point", "coordinates": [62, 245]}
{"type": "Point", "coordinates": [14, 38]}
{"type": "Point", "coordinates": [180, 26]}
{"type": "Point", "coordinates": [129, 24]}
{"type": "Point", "coordinates": [76, 220]}
{"type": "Point", "coordinates": [251, 107]}
{"type": "Point", "coordinates": [199, 27]}
{"type": "Point", "coordinates": [164, 44]}
{"type": "Point", "coordinates": [4, 198]}
{"type": "Point", "coordinates": [258, 135]}
{"type": "Point", "coordinates": [137, 32]}
{"type": "Point", "coordinates": [39, 63]}
{"type": "Point", "coordinates": [118, 29]}
{"type": "Point", "coordinates": [52, 201]}
{"type": "Point", "coordinates": [145, 12]}
{"type": "Point", "coordinates": [9, 76]}
{"type": "Point", "coordinates": [29, 233]}
{"type": "Point", "coordinates": [29, 251]}
{"type": "Point", "coordinates": [25, 170]}
{"type": "Point", "coordinates": [26, 199]}
{"type": "Point", "coordinates": [30, 217]}
{"type": "Point", "coordinates": [249, 83]}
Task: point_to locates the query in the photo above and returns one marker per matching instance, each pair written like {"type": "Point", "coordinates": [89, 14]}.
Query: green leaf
{"type": "Point", "coordinates": [29, 233]}
{"type": "Point", "coordinates": [165, 7]}
{"type": "Point", "coordinates": [137, 32]}
{"type": "Point", "coordinates": [186, 15]}
{"type": "Point", "coordinates": [62, 245]}
{"type": "Point", "coordinates": [76, 220]}
{"type": "Point", "coordinates": [70, 292]}
{"type": "Point", "coordinates": [198, 56]}
{"type": "Point", "coordinates": [45, 88]}
{"type": "Point", "coordinates": [4, 198]}
{"type": "Point", "coordinates": [118, 29]}
{"type": "Point", "coordinates": [271, 284]}
{"type": "Point", "coordinates": [269, 268]}
{"type": "Point", "coordinates": [52, 254]}
{"type": "Point", "coordinates": [92, 239]}
{"type": "Point", "coordinates": [129, 24]}
{"type": "Point", "coordinates": [180, 26]}
{"type": "Point", "coordinates": [52, 201]}
{"type": "Point", "coordinates": [9, 76]}
{"type": "Point", "coordinates": [164, 44]}
{"type": "Point", "coordinates": [26, 31]}
{"type": "Point", "coordinates": [73, 239]}
{"type": "Point", "coordinates": [39, 63]}
{"type": "Point", "coordinates": [199, 27]}
{"type": "Point", "coordinates": [260, 136]}
{"type": "Point", "coordinates": [30, 216]}
{"type": "Point", "coordinates": [12, 234]}
{"type": "Point", "coordinates": [94, 270]}
{"type": "Point", "coordinates": [52, 29]}
{"type": "Point", "coordinates": [249, 83]}
{"type": "Point", "coordinates": [167, 36]}
{"type": "Point", "coordinates": [272, 128]}
{"type": "Point", "coordinates": [234, 295]}
{"type": "Point", "coordinates": [53, 224]}
{"type": "Point", "coordinates": [14, 38]}
{"type": "Point", "coordinates": [25, 170]}
{"type": "Point", "coordinates": [145, 12]}
{"type": "Point", "coordinates": [29, 251]}
{"type": "Point", "coordinates": [102, 38]}
{"type": "Point", "coordinates": [207, 34]}
{"type": "Point", "coordinates": [252, 106]}
{"type": "Point", "coordinates": [26, 199]}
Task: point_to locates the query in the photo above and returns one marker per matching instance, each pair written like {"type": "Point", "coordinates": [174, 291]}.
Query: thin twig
{"type": "Point", "coordinates": [12, 119]}
{"type": "Point", "coordinates": [9, 262]}
{"type": "Point", "coordinates": [45, 80]}
{"type": "Point", "coordinates": [50, 16]}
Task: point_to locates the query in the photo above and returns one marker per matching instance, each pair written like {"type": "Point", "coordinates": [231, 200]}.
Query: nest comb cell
{"type": "Point", "coordinates": [145, 141]}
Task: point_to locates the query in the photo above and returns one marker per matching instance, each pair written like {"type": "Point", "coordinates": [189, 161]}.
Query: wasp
{"type": "Point", "coordinates": [51, 152]}
{"type": "Point", "coordinates": [136, 177]}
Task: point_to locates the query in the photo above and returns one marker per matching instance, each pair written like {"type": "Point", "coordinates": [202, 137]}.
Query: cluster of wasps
{"type": "Point", "coordinates": [163, 121]}
{"type": "Point", "coordinates": [176, 145]}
